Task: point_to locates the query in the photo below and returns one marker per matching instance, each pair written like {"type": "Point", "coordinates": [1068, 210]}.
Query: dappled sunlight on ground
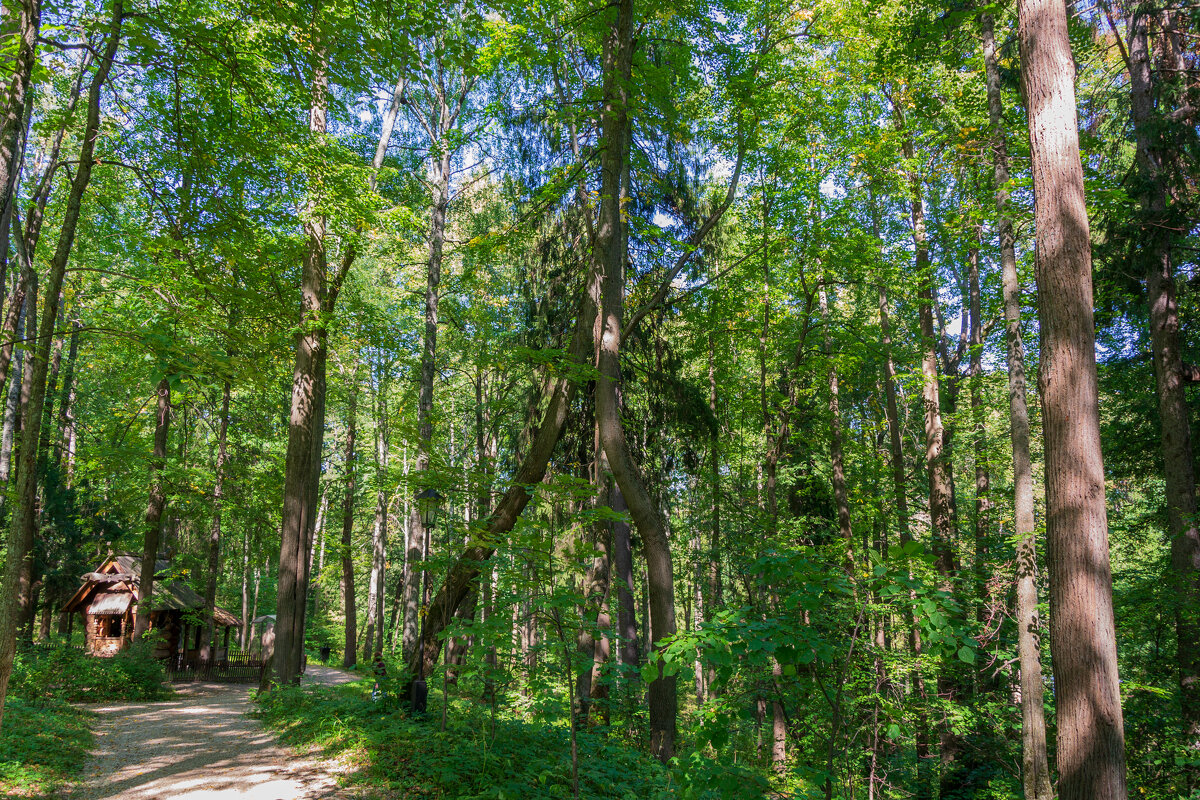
{"type": "Point", "coordinates": [200, 746]}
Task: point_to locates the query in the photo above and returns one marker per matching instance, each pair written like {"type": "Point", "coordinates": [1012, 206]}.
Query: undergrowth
{"type": "Point", "coordinates": [43, 744]}
{"type": "Point", "coordinates": [476, 758]}
{"type": "Point", "coordinates": [69, 674]}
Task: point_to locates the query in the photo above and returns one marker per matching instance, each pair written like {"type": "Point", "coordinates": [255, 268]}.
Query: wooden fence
{"type": "Point", "coordinates": [236, 667]}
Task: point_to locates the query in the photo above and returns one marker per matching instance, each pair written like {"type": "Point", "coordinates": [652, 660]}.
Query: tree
{"type": "Point", "coordinates": [1091, 743]}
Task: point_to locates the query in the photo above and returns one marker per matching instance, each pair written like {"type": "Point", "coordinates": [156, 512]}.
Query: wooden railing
{"type": "Point", "coordinates": [235, 667]}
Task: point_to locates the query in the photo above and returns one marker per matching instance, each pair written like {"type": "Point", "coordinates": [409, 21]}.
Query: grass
{"type": "Point", "coordinates": [399, 755]}
{"type": "Point", "coordinates": [43, 745]}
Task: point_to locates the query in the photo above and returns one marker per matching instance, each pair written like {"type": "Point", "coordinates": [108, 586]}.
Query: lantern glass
{"type": "Point", "coordinates": [428, 504]}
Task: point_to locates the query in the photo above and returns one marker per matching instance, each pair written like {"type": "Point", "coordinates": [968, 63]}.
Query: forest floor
{"type": "Point", "coordinates": [201, 746]}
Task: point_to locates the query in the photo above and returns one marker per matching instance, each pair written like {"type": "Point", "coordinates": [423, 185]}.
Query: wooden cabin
{"type": "Point", "coordinates": [108, 602]}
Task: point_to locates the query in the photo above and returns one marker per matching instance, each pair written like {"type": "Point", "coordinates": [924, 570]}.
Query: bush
{"type": "Point", "coordinates": [43, 744]}
{"type": "Point", "coordinates": [408, 757]}
{"type": "Point", "coordinates": [70, 675]}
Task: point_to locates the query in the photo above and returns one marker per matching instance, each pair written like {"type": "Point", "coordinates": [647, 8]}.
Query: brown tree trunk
{"type": "Point", "coordinates": [841, 497]}
{"type": "Point", "coordinates": [350, 654]}
{"type": "Point", "coordinates": [463, 576]}
{"type": "Point", "coordinates": [373, 641]}
{"type": "Point", "coordinates": [306, 420]}
{"type": "Point", "coordinates": [714, 468]}
{"type": "Point", "coordinates": [592, 640]}
{"type": "Point", "coordinates": [1091, 739]}
{"type": "Point", "coordinates": [628, 652]}
{"type": "Point", "coordinates": [983, 479]}
{"type": "Point", "coordinates": [16, 357]}
{"type": "Point", "coordinates": [941, 519]}
{"type": "Point", "coordinates": [244, 633]}
{"type": "Point", "coordinates": [892, 412]}
{"type": "Point", "coordinates": [66, 407]}
{"type": "Point", "coordinates": [1035, 769]}
{"type": "Point", "coordinates": [439, 186]}
{"type": "Point", "coordinates": [154, 511]}
{"type": "Point", "coordinates": [611, 253]}
{"type": "Point", "coordinates": [1155, 254]}
{"type": "Point", "coordinates": [25, 585]}
{"type": "Point", "coordinates": [16, 110]}
{"type": "Point", "coordinates": [214, 537]}
{"type": "Point", "coordinates": [24, 518]}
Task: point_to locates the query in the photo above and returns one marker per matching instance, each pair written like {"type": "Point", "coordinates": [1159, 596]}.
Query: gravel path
{"type": "Point", "coordinates": [201, 746]}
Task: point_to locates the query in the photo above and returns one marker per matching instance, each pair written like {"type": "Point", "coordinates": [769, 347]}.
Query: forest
{"type": "Point", "coordinates": [647, 398]}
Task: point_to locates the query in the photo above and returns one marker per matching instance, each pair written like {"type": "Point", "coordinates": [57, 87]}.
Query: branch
{"type": "Point", "coordinates": [690, 247]}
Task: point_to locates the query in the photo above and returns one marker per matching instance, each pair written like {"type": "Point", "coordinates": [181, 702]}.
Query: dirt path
{"type": "Point", "coordinates": [200, 746]}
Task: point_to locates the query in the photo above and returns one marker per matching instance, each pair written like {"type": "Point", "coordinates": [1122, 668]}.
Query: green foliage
{"type": "Point", "coordinates": [476, 758]}
{"type": "Point", "coordinates": [43, 745]}
{"type": "Point", "coordinates": [68, 674]}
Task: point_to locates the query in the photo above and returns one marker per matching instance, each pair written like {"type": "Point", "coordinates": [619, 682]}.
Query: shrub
{"type": "Point", "coordinates": [471, 760]}
{"type": "Point", "coordinates": [42, 745]}
{"type": "Point", "coordinates": [71, 675]}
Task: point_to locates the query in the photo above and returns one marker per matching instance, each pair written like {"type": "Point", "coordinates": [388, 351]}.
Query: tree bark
{"type": "Point", "coordinates": [841, 497]}
{"type": "Point", "coordinates": [611, 254]}
{"type": "Point", "coordinates": [244, 633]}
{"type": "Point", "coordinates": [1091, 740]}
{"type": "Point", "coordinates": [1154, 252]}
{"type": "Point", "coordinates": [66, 407]}
{"type": "Point", "coordinates": [214, 537]}
{"type": "Point", "coordinates": [25, 585]}
{"type": "Point", "coordinates": [12, 405]}
{"type": "Point", "coordinates": [350, 653]}
{"type": "Point", "coordinates": [24, 518]}
{"type": "Point", "coordinates": [439, 187]}
{"type": "Point", "coordinates": [154, 510]}
{"type": "Point", "coordinates": [373, 640]}
{"type": "Point", "coordinates": [306, 420]}
{"type": "Point", "coordinates": [463, 576]}
{"type": "Point", "coordinates": [16, 110]}
{"type": "Point", "coordinates": [892, 412]}
{"type": "Point", "coordinates": [1035, 768]}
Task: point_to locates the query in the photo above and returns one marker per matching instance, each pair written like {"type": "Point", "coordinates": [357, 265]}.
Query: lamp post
{"type": "Point", "coordinates": [428, 504]}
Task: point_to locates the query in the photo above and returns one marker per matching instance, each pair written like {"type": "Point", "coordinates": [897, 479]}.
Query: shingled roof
{"type": "Point", "coordinates": [168, 595]}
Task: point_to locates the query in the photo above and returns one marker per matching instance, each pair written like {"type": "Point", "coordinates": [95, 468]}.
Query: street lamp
{"type": "Point", "coordinates": [429, 502]}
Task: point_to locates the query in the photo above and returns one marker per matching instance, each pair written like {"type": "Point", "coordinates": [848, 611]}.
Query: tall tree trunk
{"type": "Point", "coordinates": [154, 510]}
{"type": "Point", "coordinates": [24, 518]}
{"type": "Point", "coordinates": [1155, 254]}
{"type": "Point", "coordinates": [628, 652]}
{"type": "Point", "coordinates": [66, 406]}
{"type": "Point", "coordinates": [373, 641]}
{"type": "Point", "coordinates": [841, 496]}
{"type": "Point", "coordinates": [306, 422]}
{"type": "Point", "coordinates": [595, 591]}
{"type": "Point", "coordinates": [611, 253]}
{"type": "Point", "coordinates": [941, 519]}
{"type": "Point", "coordinates": [892, 412]}
{"type": "Point", "coordinates": [16, 110]}
{"type": "Point", "coordinates": [462, 578]}
{"type": "Point", "coordinates": [244, 633]}
{"type": "Point", "coordinates": [1035, 769]}
{"type": "Point", "coordinates": [940, 489]}
{"type": "Point", "coordinates": [12, 405]}
{"type": "Point", "coordinates": [350, 654]}
{"type": "Point", "coordinates": [439, 183]}
{"type": "Point", "coordinates": [214, 537]}
{"type": "Point", "coordinates": [983, 479]}
{"type": "Point", "coordinates": [25, 584]}
{"type": "Point", "coordinates": [714, 468]}
{"type": "Point", "coordinates": [1091, 738]}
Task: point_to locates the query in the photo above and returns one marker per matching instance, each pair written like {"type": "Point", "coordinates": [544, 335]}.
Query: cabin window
{"type": "Point", "coordinates": [110, 625]}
